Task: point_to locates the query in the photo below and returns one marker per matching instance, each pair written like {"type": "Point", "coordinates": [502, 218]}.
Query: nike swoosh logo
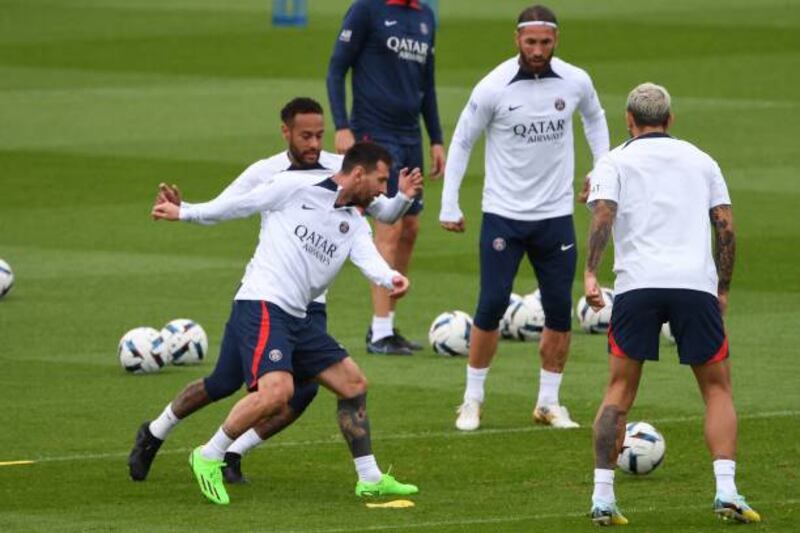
{"type": "Point", "coordinates": [565, 247]}
{"type": "Point", "coordinates": [389, 22]}
{"type": "Point", "coordinates": [304, 206]}
{"type": "Point", "coordinates": [514, 108]}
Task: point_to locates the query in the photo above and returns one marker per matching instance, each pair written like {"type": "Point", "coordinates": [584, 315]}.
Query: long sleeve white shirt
{"type": "Point", "coordinates": [529, 164]}
{"type": "Point", "coordinates": [304, 239]}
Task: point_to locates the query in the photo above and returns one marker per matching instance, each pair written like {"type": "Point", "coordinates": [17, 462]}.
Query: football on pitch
{"type": "Point", "coordinates": [526, 318]}
{"type": "Point", "coordinates": [505, 321]}
{"type": "Point", "coordinates": [595, 321]}
{"type": "Point", "coordinates": [138, 351]}
{"type": "Point", "coordinates": [6, 278]}
{"type": "Point", "coordinates": [185, 342]}
{"type": "Point", "coordinates": [449, 333]}
{"type": "Point", "coordinates": [666, 332]}
{"type": "Point", "coordinates": [643, 449]}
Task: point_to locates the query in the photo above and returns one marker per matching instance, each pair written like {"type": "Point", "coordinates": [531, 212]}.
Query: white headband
{"type": "Point", "coordinates": [537, 23]}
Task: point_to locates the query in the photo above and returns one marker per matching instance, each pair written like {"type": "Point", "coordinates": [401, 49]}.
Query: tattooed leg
{"type": "Point", "coordinates": [354, 423]}
{"type": "Point", "coordinates": [609, 425]}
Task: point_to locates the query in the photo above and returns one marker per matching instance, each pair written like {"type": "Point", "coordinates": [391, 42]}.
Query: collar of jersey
{"type": "Point", "coordinates": [332, 186]}
{"type": "Point", "coordinates": [404, 3]}
{"type": "Point", "coordinates": [525, 75]}
{"type": "Point", "coordinates": [651, 135]}
{"type": "Point", "coordinates": [315, 166]}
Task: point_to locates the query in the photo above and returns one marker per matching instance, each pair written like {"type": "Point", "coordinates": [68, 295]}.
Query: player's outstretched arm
{"type": "Point", "coordinates": [603, 214]}
{"type": "Point", "coordinates": [724, 250]}
{"type": "Point", "coordinates": [365, 256]}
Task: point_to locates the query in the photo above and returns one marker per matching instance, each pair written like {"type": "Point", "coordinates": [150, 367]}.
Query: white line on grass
{"type": "Point", "coordinates": [409, 436]}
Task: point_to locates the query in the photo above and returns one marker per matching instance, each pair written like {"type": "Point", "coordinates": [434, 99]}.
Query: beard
{"type": "Point", "coordinates": [308, 158]}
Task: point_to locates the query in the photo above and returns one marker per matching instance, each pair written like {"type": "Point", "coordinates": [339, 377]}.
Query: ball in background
{"type": "Point", "coordinates": [595, 321]}
{"type": "Point", "coordinates": [184, 342]}
{"type": "Point", "coordinates": [138, 351]}
{"type": "Point", "coordinates": [526, 318]}
{"type": "Point", "coordinates": [449, 333]}
{"type": "Point", "coordinates": [6, 278]}
{"type": "Point", "coordinates": [505, 321]}
{"type": "Point", "coordinates": [666, 332]}
{"type": "Point", "coordinates": [643, 449]}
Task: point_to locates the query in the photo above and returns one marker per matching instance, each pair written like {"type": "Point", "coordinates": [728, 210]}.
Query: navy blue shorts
{"type": "Point", "coordinates": [551, 250]}
{"type": "Point", "coordinates": [404, 154]}
{"type": "Point", "coordinates": [306, 391]}
{"type": "Point", "coordinates": [694, 319]}
{"type": "Point", "coordinates": [260, 337]}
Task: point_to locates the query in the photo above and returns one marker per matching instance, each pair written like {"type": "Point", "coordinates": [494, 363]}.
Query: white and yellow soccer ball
{"type": "Point", "coordinates": [505, 321]}
{"type": "Point", "coordinates": [185, 342]}
{"type": "Point", "coordinates": [595, 321]}
{"type": "Point", "coordinates": [526, 318]}
{"type": "Point", "coordinates": [6, 278]}
{"type": "Point", "coordinates": [138, 351]}
{"type": "Point", "coordinates": [643, 449]}
{"type": "Point", "coordinates": [449, 333]}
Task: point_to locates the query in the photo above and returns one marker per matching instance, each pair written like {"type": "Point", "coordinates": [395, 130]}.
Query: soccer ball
{"type": "Point", "coordinates": [505, 322]}
{"type": "Point", "coordinates": [595, 321]}
{"type": "Point", "coordinates": [137, 351]}
{"type": "Point", "coordinates": [449, 333]}
{"type": "Point", "coordinates": [643, 449]}
{"type": "Point", "coordinates": [6, 278]}
{"type": "Point", "coordinates": [526, 318]}
{"type": "Point", "coordinates": [185, 342]}
{"type": "Point", "coordinates": [666, 331]}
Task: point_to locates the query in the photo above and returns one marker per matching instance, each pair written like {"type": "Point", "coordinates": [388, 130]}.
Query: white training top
{"type": "Point", "coordinates": [529, 146]}
{"type": "Point", "coordinates": [664, 189]}
{"type": "Point", "coordinates": [304, 239]}
{"type": "Point", "coordinates": [383, 209]}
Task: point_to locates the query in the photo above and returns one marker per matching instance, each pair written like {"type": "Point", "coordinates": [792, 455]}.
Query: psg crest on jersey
{"type": "Point", "coordinates": [499, 244]}
{"type": "Point", "coordinates": [560, 104]}
{"type": "Point", "coordinates": [344, 227]}
{"type": "Point", "coordinates": [275, 355]}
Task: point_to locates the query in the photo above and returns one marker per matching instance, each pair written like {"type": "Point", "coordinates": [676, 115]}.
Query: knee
{"type": "Point", "coordinates": [356, 386]}
{"type": "Point", "coordinates": [274, 396]}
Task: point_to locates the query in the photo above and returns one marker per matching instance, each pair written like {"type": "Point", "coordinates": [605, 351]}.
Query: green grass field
{"type": "Point", "coordinates": [102, 99]}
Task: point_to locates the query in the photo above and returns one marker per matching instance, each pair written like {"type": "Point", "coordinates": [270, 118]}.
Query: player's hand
{"type": "Point", "coordinates": [168, 193]}
{"type": "Point", "coordinates": [437, 161]}
{"type": "Point", "coordinates": [343, 140]}
{"type": "Point", "coordinates": [723, 302]}
{"type": "Point", "coordinates": [592, 290]}
{"type": "Point", "coordinates": [456, 227]}
{"type": "Point", "coordinates": [166, 211]}
{"type": "Point", "coordinates": [409, 182]}
{"type": "Point", "coordinates": [400, 286]}
{"type": "Point", "coordinates": [584, 194]}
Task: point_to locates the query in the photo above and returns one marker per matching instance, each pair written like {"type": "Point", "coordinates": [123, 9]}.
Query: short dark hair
{"type": "Point", "coordinates": [298, 106]}
{"type": "Point", "coordinates": [537, 12]}
{"type": "Point", "coordinates": [365, 154]}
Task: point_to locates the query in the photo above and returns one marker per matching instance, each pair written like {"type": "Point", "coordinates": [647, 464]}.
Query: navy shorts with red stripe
{"type": "Point", "coordinates": [694, 319]}
{"type": "Point", "coordinates": [260, 337]}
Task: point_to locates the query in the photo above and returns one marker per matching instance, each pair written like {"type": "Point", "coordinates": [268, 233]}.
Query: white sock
{"type": "Point", "coordinates": [216, 447]}
{"type": "Point", "coordinates": [246, 442]}
{"type": "Point", "coordinates": [381, 327]}
{"type": "Point", "coordinates": [475, 379]}
{"type": "Point", "coordinates": [604, 485]}
{"type": "Point", "coordinates": [166, 421]}
{"type": "Point", "coordinates": [549, 383]}
{"type": "Point", "coordinates": [725, 472]}
{"type": "Point", "coordinates": [367, 469]}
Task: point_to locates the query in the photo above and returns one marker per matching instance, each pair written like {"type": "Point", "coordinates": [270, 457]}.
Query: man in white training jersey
{"type": "Point", "coordinates": [303, 128]}
{"type": "Point", "coordinates": [657, 193]}
{"type": "Point", "coordinates": [525, 107]}
{"type": "Point", "coordinates": [311, 227]}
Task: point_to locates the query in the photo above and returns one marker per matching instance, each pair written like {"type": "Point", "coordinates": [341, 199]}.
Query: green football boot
{"type": "Point", "coordinates": [387, 486]}
{"type": "Point", "coordinates": [209, 477]}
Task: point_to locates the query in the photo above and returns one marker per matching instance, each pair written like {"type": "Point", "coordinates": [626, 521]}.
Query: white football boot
{"type": "Point", "coordinates": [469, 416]}
{"type": "Point", "coordinates": [556, 416]}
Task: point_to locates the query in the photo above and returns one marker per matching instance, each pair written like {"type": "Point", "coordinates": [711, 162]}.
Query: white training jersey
{"type": "Point", "coordinates": [383, 209]}
{"type": "Point", "coordinates": [527, 118]}
{"type": "Point", "coordinates": [304, 239]}
{"type": "Point", "coordinates": [664, 189]}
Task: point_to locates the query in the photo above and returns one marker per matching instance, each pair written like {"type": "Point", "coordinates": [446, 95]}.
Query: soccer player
{"type": "Point", "coordinates": [388, 45]}
{"type": "Point", "coordinates": [302, 126]}
{"type": "Point", "coordinates": [311, 227]}
{"type": "Point", "coordinates": [525, 107]}
{"type": "Point", "coordinates": [657, 193]}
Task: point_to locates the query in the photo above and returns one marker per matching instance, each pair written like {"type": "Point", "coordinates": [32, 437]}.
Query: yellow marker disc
{"type": "Point", "coordinates": [394, 504]}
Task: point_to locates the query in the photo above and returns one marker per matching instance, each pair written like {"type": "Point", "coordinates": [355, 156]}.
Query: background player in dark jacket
{"type": "Point", "coordinates": [388, 45]}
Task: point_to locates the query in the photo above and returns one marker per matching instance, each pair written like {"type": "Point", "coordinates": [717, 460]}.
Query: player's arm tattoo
{"type": "Point", "coordinates": [724, 245]}
{"type": "Point", "coordinates": [354, 423]}
{"type": "Point", "coordinates": [607, 430]}
{"type": "Point", "coordinates": [603, 214]}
